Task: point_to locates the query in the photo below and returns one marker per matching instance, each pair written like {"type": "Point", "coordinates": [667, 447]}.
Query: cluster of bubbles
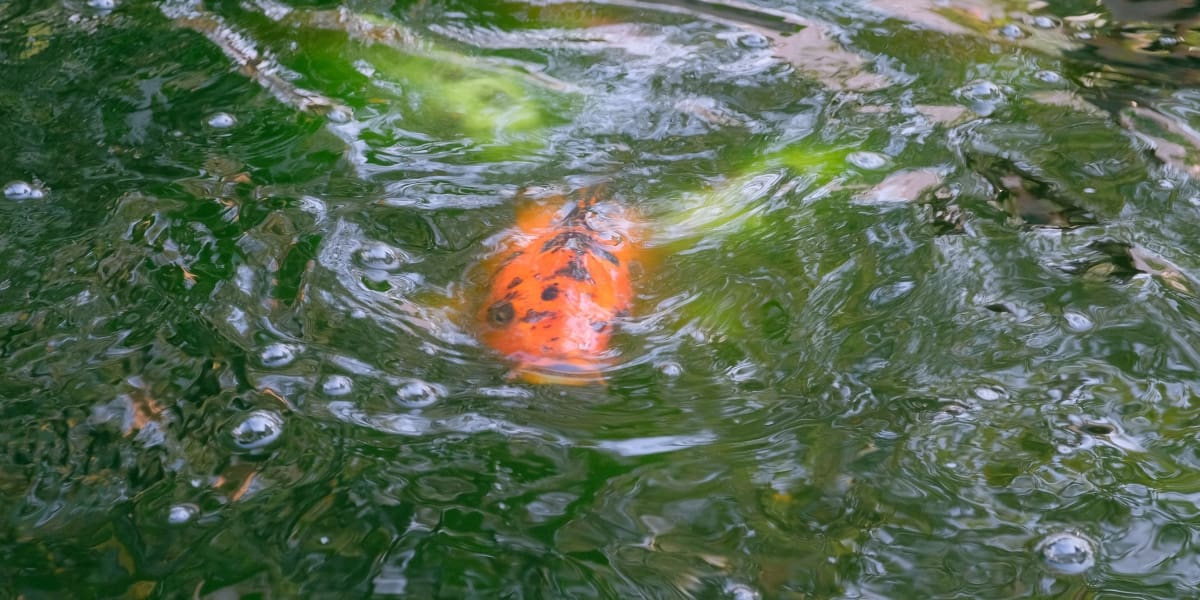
{"type": "Point", "coordinates": [253, 433]}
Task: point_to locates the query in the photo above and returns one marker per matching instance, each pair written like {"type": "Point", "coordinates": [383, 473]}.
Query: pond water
{"type": "Point", "coordinates": [915, 317]}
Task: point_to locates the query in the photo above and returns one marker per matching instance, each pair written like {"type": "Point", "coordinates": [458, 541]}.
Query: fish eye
{"type": "Point", "coordinates": [501, 313]}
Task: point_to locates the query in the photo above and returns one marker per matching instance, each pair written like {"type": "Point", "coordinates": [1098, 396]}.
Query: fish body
{"type": "Point", "coordinates": [1159, 12]}
{"type": "Point", "coordinates": [562, 281]}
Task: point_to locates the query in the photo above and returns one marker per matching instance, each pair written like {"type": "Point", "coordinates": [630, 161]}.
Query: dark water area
{"type": "Point", "coordinates": [915, 317]}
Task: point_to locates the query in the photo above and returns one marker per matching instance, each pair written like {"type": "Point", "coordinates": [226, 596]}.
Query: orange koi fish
{"type": "Point", "coordinates": [563, 279]}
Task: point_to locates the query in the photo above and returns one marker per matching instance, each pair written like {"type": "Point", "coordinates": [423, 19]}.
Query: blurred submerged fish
{"type": "Point", "coordinates": [563, 278]}
{"type": "Point", "coordinates": [1182, 14]}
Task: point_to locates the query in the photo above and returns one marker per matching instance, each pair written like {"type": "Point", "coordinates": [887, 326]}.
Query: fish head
{"type": "Point", "coordinates": [552, 304]}
{"type": "Point", "coordinates": [553, 316]}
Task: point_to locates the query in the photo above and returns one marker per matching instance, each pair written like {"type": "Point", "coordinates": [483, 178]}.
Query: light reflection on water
{"type": "Point", "coordinates": [915, 314]}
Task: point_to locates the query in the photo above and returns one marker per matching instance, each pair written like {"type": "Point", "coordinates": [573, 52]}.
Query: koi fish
{"type": "Point", "coordinates": [563, 279]}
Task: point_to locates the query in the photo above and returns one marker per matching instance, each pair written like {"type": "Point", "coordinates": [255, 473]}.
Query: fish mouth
{"type": "Point", "coordinates": [561, 372]}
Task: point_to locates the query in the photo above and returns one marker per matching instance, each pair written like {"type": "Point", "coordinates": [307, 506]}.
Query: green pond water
{"type": "Point", "coordinates": [917, 315]}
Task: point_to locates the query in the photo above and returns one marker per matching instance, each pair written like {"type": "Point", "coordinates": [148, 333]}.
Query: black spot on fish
{"type": "Point", "coordinates": [550, 293]}
{"type": "Point", "coordinates": [501, 313]}
{"type": "Point", "coordinates": [514, 283]}
{"type": "Point", "coordinates": [575, 270]}
{"type": "Point", "coordinates": [533, 316]}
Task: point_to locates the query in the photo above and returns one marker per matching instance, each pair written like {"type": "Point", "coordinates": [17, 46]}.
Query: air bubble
{"type": "Point", "coordinates": [1044, 22]}
{"type": "Point", "coordinates": [983, 97]}
{"type": "Point", "coordinates": [1011, 32]}
{"type": "Point", "coordinates": [868, 160]}
{"type": "Point", "coordinates": [1067, 553]}
{"type": "Point", "coordinates": [415, 393]}
{"type": "Point", "coordinates": [982, 90]}
{"type": "Point", "coordinates": [1049, 77]}
{"type": "Point", "coordinates": [741, 591]}
{"type": "Point", "coordinates": [278, 355]}
{"type": "Point", "coordinates": [102, 4]}
{"type": "Point", "coordinates": [670, 369]}
{"type": "Point", "coordinates": [365, 68]}
{"type": "Point", "coordinates": [20, 190]}
{"type": "Point", "coordinates": [258, 430]}
{"type": "Point", "coordinates": [340, 115]}
{"type": "Point", "coordinates": [753, 41]}
{"type": "Point", "coordinates": [1078, 322]}
{"type": "Point", "coordinates": [382, 257]}
{"type": "Point", "coordinates": [337, 385]}
{"type": "Point", "coordinates": [221, 120]}
{"type": "Point", "coordinates": [988, 394]}
{"type": "Point", "coordinates": [182, 513]}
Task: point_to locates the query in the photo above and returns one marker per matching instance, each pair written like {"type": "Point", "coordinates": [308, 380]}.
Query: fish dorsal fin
{"type": "Point", "coordinates": [584, 199]}
{"type": "Point", "coordinates": [589, 196]}
{"type": "Point", "coordinates": [536, 213]}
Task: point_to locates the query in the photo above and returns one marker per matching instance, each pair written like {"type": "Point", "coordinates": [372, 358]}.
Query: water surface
{"type": "Point", "coordinates": [917, 318]}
